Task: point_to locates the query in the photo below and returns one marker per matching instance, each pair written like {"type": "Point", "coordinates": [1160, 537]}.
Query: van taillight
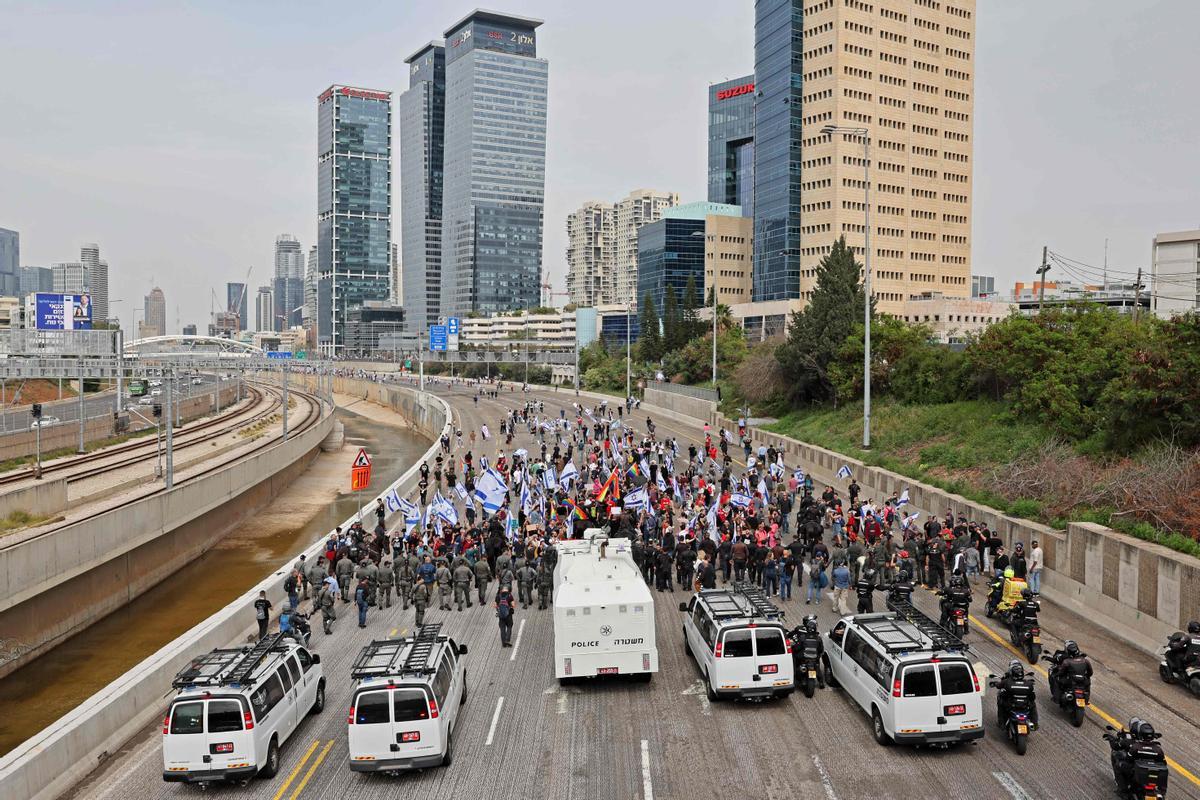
{"type": "Point", "coordinates": [646, 661]}
{"type": "Point", "coordinates": [248, 720]}
{"type": "Point", "coordinates": [350, 719]}
{"type": "Point", "coordinates": [975, 678]}
{"type": "Point", "coordinates": [433, 710]}
{"type": "Point", "coordinates": [787, 643]}
{"type": "Point", "coordinates": [896, 688]}
{"type": "Point", "coordinates": [567, 666]}
{"type": "Point", "coordinates": [166, 723]}
{"type": "Point", "coordinates": [717, 652]}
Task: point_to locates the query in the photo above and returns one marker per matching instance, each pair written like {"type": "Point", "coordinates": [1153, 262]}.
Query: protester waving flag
{"type": "Point", "coordinates": [569, 473]}
{"type": "Point", "coordinates": [798, 475]}
{"type": "Point", "coordinates": [392, 501]}
{"type": "Point", "coordinates": [575, 509]}
{"type": "Point", "coordinates": [520, 452]}
{"type": "Point", "coordinates": [612, 487]}
{"type": "Point", "coordinates": [462, 492]}
{"type": "Point", "coordinates": [412, 514]}
{"type": "Point", "coordinates": [844, 472]}
{"type": "Point", "coordinates": [776, 471]}
{"type": "Point", "coordinates": [740, 500]}
{"type": "Point", "coordinates": [903, 501]}
{"type": "Point", "coordinates": [637, 499]}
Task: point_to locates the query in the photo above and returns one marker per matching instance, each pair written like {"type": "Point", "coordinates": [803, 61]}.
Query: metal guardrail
{"type": "Point", "coordinates": [698, 392]}
{"type": "Point", "coordinates": [36, 343]}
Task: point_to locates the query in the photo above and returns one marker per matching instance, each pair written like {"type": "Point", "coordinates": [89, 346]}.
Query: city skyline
{"type": "Point", "coordinates": [1077, 163]}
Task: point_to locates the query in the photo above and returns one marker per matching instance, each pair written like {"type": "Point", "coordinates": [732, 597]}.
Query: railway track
{"type": "Point", "coordinates": [198, 433]}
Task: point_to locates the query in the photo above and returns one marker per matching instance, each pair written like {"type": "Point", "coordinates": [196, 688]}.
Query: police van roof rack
{"type": "Point", "coordinates": [379, 658]}
{"type": "Point", "coordinates": [942, 638]}
{"type": "Point", "coordinates": [724, 604]}
{"type": "Point", "coordinates": [228, 666]}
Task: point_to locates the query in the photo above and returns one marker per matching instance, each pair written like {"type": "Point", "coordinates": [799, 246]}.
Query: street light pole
{"type": "Point", "coordinates": [628, 354]}
{"type": "Point", "coordinates": [865, 135]}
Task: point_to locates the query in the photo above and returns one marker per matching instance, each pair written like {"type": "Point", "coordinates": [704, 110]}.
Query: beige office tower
{"type": "Point", "coordinates": [904, 70]}
{"type": "Point", "coordinates": [638, 208]}
{"type": "Point", "coordinates": [589, 253]}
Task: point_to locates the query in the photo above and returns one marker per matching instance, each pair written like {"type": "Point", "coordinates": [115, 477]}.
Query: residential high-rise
{"type": "Point", "coordinates": [1175, 273]}
{"type": "Point", "coordinates": [494, 165]}
{"type": "Point", "coordinates": [155, 323]}
{"type": "Point", "coordinates": [639, 207]}
{"type": "Point", "coordinates": [10, 260]}
{"type": "Point", "coordinates": [422, 110]}
{"type": "Point", "coordinates": [289, 282]}
{"type": "Point", "coordinates": [264, 309]}
{"type": "Point", "coordinates": [731, 143]}
{"type": "Point", "coordinates": [97, 279]}
{"type": "Point", "coordinates": [903, 70]}
{"type": "Point", "coordinates": [310, 288]}
{"type": "Point", "coordinates": [235, 301]}
{"type": "Point", "coordinates": [70, 277]}
{"type": "Point", "coordinates": [589, 254]}
{"type": "Point", "coordinates": [354, 206]}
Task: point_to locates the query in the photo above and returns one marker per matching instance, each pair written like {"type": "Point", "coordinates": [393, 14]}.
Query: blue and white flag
{"type": "Point", "coordinates": [483, 463]}
{"type": "Point", "coordinates": [520, 452]}
{"type": "Point", "coordinates": [776, 471]}
{"type": "Point", "coordinates": [844, 472]}
{"type": "Point", "coordinates": [903, 501]}
{"type": "Point", "coordinates": [662, 484]}
{"type": "Point", "coordinates": [462, 492]}
{"type": "Point", "coordinates": [486, 433]}
{"type": "Point", "coordinates": [569, 473]}
{"type": "Point", "coordinates": [490, 491]}
{"type": "Point", "coordinates": [712, 521]}
{"type": "Point", "coordinates": [798, 475]}
{"type": "Point", "coordinates": [445, 510]}
{"type": "Point", "coordinates": [526, 500]}
{"type": "Point", "coordinates": [392, 501]}
{"type": "Point", "coordinates": [751, 462]}
{"type": "Point", "coordinates": [908, 521]}
{"type": "Point", "coordinates": [740, 500]}
{"type": "Point", "coordinates": [638, 498]}
{"type": "Point", "coordinates": [762, 487]}
{"type": "Point", "coordinates": [550, 479]}
{"type": "Point", "coordinates": [615, 425]}
{"type": "Point", "coordinates": [412, 514]}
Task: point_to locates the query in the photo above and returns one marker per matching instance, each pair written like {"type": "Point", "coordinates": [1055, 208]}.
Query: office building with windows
{"type": "Point", "coordinates": [983, 285]}
{"type": "Point", "coordinates": [494, 165]}
{"type": "Point", "coordinates": [354, 201]}
{"type": "Point", "coordinates": [97, 271]}
{"type": "Point", "coordinates": [671, 252]}
{"type": "Point", "coordinates": [422, 111]}
{"type": "Point", "coordinates": [10, 261]}
{"type": "Point", "coordinates": [310, 289]}
{"type": "Point", "coordinates": [264, 309]}
{"type": "Point", "coordinates": [1175, 273]}
{"type": "Point", "coordinates": [31, 280]}
{"type": "Point", "coordinates": [731, 143]}
{"type": "Point", "coordinates": [728, 258]}
{"type": "Point", "coordinates": [589, 253]}
{"type": "Point", "coordinates": [288, 284]}
{"type": "Point", "coordinates": [155, 318]}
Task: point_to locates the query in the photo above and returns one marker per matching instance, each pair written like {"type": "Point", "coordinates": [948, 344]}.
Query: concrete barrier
{"type": "Point", "coordinates": [51, 762]}
{"type": "Point", "coordinates": [112, 557]}
{"type": "Point", "coordinates": [40, 500]}
{"type": "Point", "coordinates": [1139, 590]}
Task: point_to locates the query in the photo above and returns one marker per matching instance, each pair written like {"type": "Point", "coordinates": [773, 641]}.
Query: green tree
{"type": "Point", "coordinates": [819, 331]}
{"type": "Point", "coordinates": [674, 337]}
{"type": "Point", "coordinates": [650, 345]}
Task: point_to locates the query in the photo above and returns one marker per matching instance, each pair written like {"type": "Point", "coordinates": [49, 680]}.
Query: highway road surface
{"type": "Point", "coordinates": [524, 736]}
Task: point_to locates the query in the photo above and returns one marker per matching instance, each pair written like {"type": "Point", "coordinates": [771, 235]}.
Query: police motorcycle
{"type": "Point", "coordinates": [1024, 631]}
{"type": "Point", "coordinates": [806, 654]}
{"type": "Point", "coordinates": [1016, 707]}
{"type": "Point", "coordinates": [899, 594]}
{"type": "Point", "coordinates": [1070, 681]}
{"type": "Point", "coordinates": [955, 606]}
{"type": "Point", "coordinates": [1180, 658]}
{"type": "Point", "coordinates": [1138, 763]}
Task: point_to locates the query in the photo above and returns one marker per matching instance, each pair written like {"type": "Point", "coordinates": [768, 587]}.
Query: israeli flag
{"type": "Point", "coordinates": [588, 414]}
{"type": "Point", "coordinates": [483, 463]}
{"type": "Point", "coordinates": [798, 475]}
{"type": "Point", "coordinates": [903, 501]}
{"type": "Point", "coordinates": [750, 464]}
{"type": "Point", "coordinates": [776, 471]}
{"type": "Point", "coordinates": [712, 521]}
{"type": "Point", "coordinates": [412, 514]}
{"type": "Point", "coordinates": [637, 499]}
{"type": "Point", "coordinates": [740, 500]}
{"type": "Point", "coordinates": [669, 462]}
{"type": "Point", "coordinates": [662, 484]}
{"type": "Point", "coordinates": [445, 510]}
{"type": "Point", "coordinates": [520, 452]}
{"type": "Point", "coordinates": [490, 491]}
{"type": "Point", "coordinates": [615, 425]}
{"type": "Point", "coordinates": [549, 479]}
{"type": "Point", "coordinates": [844, 472]}
{"type": "Point", "coordinates": [391, 501]}
{"type": "Point", "coordinates": [525, 498]}
{"type": "Point", "coordinates": [462, 492]}
{"type": "Point", "coordinates": [569, 474]}
{"type": "Point", "coordinates": [762, 487]}
{"type": "Point", "coordinates": [908, 521]}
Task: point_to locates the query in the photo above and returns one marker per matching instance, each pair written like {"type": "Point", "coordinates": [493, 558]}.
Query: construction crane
{"type": "Point", "coordinates": [548, 293]}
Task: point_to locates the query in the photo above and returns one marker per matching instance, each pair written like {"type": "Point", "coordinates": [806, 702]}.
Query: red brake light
{"type": "Point", "coordinates": [788, 643]}
{"type": "Point", "coordinates": [975, 678]}
{"type": "Point", "coordinates": [1151, 787]}
{"type": "Point", "coordinates": [896, 687]}
{"type": "Point", "coordinates": [717, 651]}
{"type": "Point", "coordinates": [166, 723]}
{"type": "Point", "coordinates": [248, 720]}
{"type": "Point", "coordinates": [350, 719]}
{"type": "Point", "coordinates": [433, 709]}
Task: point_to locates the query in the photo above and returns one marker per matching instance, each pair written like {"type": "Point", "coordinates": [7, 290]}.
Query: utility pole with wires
{"type": "Point", "coordinates": [1137, 297]}
{"type": "Point", "coordinates": [1041, 271]}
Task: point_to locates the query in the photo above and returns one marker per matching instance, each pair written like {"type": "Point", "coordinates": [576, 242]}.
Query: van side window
{"type": "Point", "coordinates": [371, 708]}
{"type": "Point", "coordinates": [452, 649]}
{"type": "Point", "coordinates": [306, 661]}
{"type": "Point", "coordinates": [875, 665]}
{"type": "Point", "coordinates": [838, 632]}
{"type": "Point", "coordinates": [854, 645]}
{"type": "Point", "coordinates": [293, 670]}
{"type": "Point", "coordinates": [738, 643]}
{"type": "Point", "coordinates": [188, 718]}
{"type": "Point", "coordinates": [441, 682]}
{"type": "Point", "coordinates": [267, 696]}
{"type": "Point", "coordinates": [919, 681]}
{"type": "Point", "coordinates": [224, 716]}
{"type": "Point", "coordinates": [282, 672]}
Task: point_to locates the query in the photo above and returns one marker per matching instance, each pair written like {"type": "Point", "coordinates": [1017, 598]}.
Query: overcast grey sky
{"type": "Point", "coordinates": [182, 137]}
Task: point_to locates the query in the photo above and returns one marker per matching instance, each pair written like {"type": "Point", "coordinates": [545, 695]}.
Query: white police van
{"type": "Point", "coordinates": [236, 707]}
{"type": "Point", "coordinates": [737, 637]}
{"type": "Point", "coordinates": [406, 702]}
{"type": "Point", "coordinates": [910, 675]}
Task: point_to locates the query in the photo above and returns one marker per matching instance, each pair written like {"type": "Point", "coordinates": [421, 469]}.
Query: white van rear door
{"type": "Point", "coordinates": [184, 743]}
{"type": "Point", "coordinates": [919, 706]}
{"type": "Point", "coordinates": [772, 660]}
{"type": "Point", "coordinates": [736, 669]}
{"type": "Point", "coordinates": [369, 728]}
{"type": "Point", "coordinates": [415, 731]}
{"type": "Point", "coordinates": [962, 708]}
{"type": "Point", "coordinates": [228, 741]}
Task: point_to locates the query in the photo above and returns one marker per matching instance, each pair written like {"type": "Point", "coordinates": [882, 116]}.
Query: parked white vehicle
{"type": "Point", "coordinates": [909, 675]}
{"type": "Point", "coordinates": [603, 611]}
{"type": "Point", "coordinates": [737, 637]}
{"type": "Point", "coordinates": [235, 708]}
{"type": "Point", "coordinates": [44, 422]}
{"type": "Point", "coordinates": [406, 703]}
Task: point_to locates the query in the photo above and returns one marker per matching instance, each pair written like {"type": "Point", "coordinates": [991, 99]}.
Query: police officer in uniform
{"type": "Point", "coordinates": [420, 598]}
{"type": "Point", "coordinates": [545, 582]}
{"type": "Point", "coordinates": [386, 577]}
{"type": "Point", "coordinates": [345, 570]}
{"type": "Point", "coordinates": [525, 579]}
{"type": "Point", "coordinates": [462, 585]}
{"type": "Point", "coordinates": [404, 580]}
{"type": "Point", "coordinates": [445, 582]}
{"type": "Point", "coordinates": [324, 602]}
{"type": "Point", "coordinates": [483, 576]}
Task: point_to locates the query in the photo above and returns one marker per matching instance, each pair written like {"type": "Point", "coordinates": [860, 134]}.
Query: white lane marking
{"type": "Point", "coordinates": [1011, 786]}
{"type": "Point", "coordinates": [825, 780]}
{"type": "Point", "coordinates": [495, 719]}
{"type": "Point", "coordinates": [124, 772]}
{"type": "Point", "coordinates": [698, 688]}
{"type": "Point", "coordinates": [647, 788]}
{"type": "Point", "coordinates": [517, 643]}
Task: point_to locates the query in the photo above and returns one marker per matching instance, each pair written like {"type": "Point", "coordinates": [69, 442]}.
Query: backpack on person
{"type": "Point", "coordinates": [503, 610]}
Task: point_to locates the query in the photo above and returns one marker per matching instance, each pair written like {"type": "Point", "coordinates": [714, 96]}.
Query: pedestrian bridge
{"type": "Point", "coordinates": [180, 344]}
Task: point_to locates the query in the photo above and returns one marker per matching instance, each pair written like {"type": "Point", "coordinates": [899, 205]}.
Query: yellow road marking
{"type": "Point", "coordinates": [393, 633]}
{"type": "Point", "coordinates": [1099, 712]}
{"type": "Point", "coordinates": [316, 763]}
{"type": "Point", "coordinates": [296, 771]}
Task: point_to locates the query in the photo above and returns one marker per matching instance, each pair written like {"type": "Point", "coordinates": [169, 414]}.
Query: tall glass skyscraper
{"type": "Point", "coordinates": [494, 165]}
{"type": "Point", "coordinates": [731, 143]}
{"type": "Point", "coordinates": [778, 64]}
{"type": "Point", "coordinates": [422, 112]}
{"type": "Point", "coordinates": [354, 201]}
{"type": "Point", "coordinates": [10, 260]}
{"type": "Point", "coordinates": [289, 283]}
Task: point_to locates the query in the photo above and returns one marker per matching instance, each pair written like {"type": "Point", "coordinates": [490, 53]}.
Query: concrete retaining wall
{"type": "Point", "coordinates": [1141, 591]}
{"type": "Point", "coordinates": [54, 760]}
{"type": "Point", "coordinates": [678, 405]}
{"type": "Point", "coordinates": [41, 499]}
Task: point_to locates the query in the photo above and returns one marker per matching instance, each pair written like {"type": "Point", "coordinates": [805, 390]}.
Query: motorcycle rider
{"type": "Point", "coordinates": [1007, 591]}
{"type": "Point", "coordinates": [865, 589]}
{"type": "Point", "coordinates": [808, 632]}
{"type": "Point", "coordinates": [956, 594]}
{"type": "Point", "coordinates": [1183, 649]}
{"type": "Point", "coordinates": [1018, 681]}
{"type": "Point", "coordinates": [1068, 661]}
{"type": "Point", "coordinates": [902, 589]}
{"type": "Point", "coordinates": [1138, 741]}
